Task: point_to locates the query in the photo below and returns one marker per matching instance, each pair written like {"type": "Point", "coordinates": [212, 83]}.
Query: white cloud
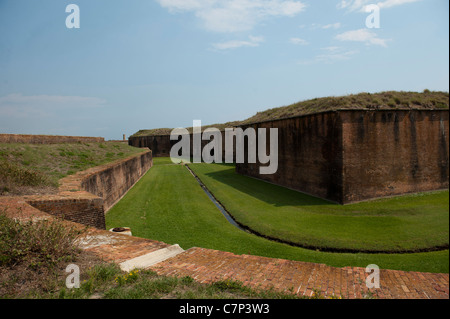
{"type": "Point", "coordinates": [332, 26]}
{"type": "Point", "coordinates": [330, 55]}
{"type": "Point", "coordinates": [334, 54]}
{"type": "Point", "coordinates": [352, 4]}
{"type": "Point", "coordinates": [183, 5]}
{"type": "Point", "coordinates": [360, 5]}
{"type": "Point", "coordinates": [234, 15]}
{"type": "Point", "coordinates": [331, 49]}
{"type": "Point", "coordinates": [393, 3]}
{"type": "Point", "coordinates": [316, 26]}
{"type": "Point", "coordinates": [298, 41]}
{"type": "Point", "coordinates": [18, 105]}
{"type": "Point", "coordinates": [60, 100]}
{"type": "Point", "coordinates": [234, 44]}
{"type": "Point", "coordinates": [362, 35]}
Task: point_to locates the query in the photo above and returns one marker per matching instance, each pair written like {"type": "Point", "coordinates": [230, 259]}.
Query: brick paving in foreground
{"type": "Point", "coordinates": [207, 265]}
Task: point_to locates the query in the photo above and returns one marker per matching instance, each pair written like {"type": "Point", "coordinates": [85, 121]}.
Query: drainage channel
{"type": "Point", "coordinates": [218, 205]}
{"type": "Point", "coordinates": [321, 249]}
{"type": "Point", "coordinates": [330, 250]}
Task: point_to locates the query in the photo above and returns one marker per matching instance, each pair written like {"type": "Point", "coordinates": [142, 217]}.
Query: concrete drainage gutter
{"type": "Point", "coordinates": [150, 259]}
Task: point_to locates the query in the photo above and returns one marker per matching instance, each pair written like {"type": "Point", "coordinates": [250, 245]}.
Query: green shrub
{"type": "Point", "coordinates": [127, 278]}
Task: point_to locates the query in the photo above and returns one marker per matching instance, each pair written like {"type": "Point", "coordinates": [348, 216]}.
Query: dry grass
{"type": "Point", "coordinates": [33, 255]}
{"type": "Point", "coordinates": [27, 169]}
{"type": "Point", "coordinates": [385, 100]}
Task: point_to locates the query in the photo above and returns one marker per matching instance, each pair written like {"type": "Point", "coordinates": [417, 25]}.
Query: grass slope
{"type": "Point", "coordinates": [409, 223]}
{"type": "Point", "coordinates": [168, 205]}
{"type": "Point", "coordinates": [32, 168]}
{"type": "Point", "coordinates": [390, 100]}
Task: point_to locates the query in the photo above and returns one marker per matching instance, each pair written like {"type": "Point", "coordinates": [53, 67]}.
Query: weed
{"type": "Point", "coordinates": [229, 285]}
{"type": "Point", "coordinates": [37, 244]}
{"type": "Point", "coordinates": [127, 278]}
{"type": "Point", "coordinates": [31, 254]}
{"type": "Point", "coordinates": [187, 280]}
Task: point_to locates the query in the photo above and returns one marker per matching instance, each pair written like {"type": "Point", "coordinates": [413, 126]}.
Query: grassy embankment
{"type": "Point", "coordinates": [389, 100]}
{"type": "Point", "coordinates": [31, 169]}
{"type": "Point", "coordinates": [168, 205]}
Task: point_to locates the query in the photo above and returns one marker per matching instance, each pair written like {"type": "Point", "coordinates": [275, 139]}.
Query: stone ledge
{"type": "Point", "coordinates": [150, 259]}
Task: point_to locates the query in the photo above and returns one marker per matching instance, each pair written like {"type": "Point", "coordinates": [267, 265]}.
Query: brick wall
{"type": "Point", "coordinates": [309, 155]}
{"type": "Point", "coordinates": [391, 153]}
{"type": "Point", "coordinates": [47, 139]}
{"type": "Point", "coordinates": [352, 155]}
{"type": "Point", "coordinates": [82, 207]}
{"type": "Point", "coordinates": [111, 182]}
{"type": "Point", "coordinates": [86, 196]}
{"type": "Point", "coordinates": [160, 145]}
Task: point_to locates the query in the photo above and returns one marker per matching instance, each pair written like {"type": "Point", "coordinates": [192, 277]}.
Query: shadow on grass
{"type": "Point", "coordinates": [264, 191]}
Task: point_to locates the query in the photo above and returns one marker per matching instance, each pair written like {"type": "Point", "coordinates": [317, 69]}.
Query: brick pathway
{"type": "Point", "coordinates": [207, 265]}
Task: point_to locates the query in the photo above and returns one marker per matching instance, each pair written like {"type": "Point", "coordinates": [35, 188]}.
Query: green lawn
{"type": "Point", "coordinates": [162, 160]}
{"type": "Point", "coordinates": [168, 205]}
{"type": "Point", "coordinates": [408, 223]}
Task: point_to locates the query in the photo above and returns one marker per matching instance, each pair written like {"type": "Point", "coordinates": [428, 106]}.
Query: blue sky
{"type": "Point", "coordinates": [142, 64]}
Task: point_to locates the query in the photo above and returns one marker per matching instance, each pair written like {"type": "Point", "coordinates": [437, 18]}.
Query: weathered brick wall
{"type": "Point", "coordinates": [85, 196]}
{"type": "Point", "coordinates": [310, 155]}
{"type": "Point", "coordinates": [47, 139]}
{"type": "Point", "coordinates": [352, 155]}
{"type": "Point", "coordinates": [83, 208]}
{"type": "Point", "coordinates": [160, 145]}
{"type": "Point", "coordinates": [394, 152]}
{"type": "Point", "coordinates": [111, 182]}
